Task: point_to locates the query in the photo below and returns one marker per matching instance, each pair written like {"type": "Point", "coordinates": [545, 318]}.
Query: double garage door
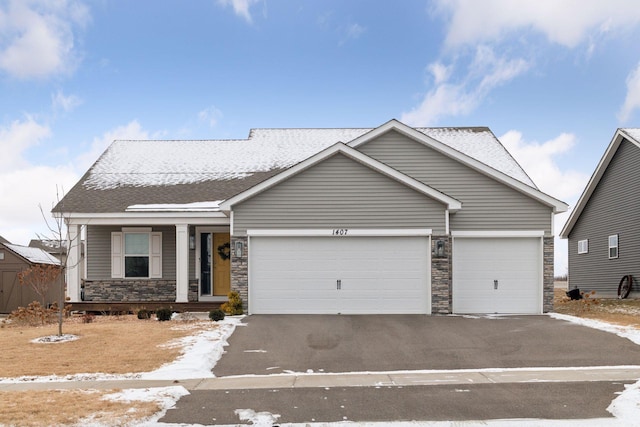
{"type": "Point", "coordinates": [331, 275]}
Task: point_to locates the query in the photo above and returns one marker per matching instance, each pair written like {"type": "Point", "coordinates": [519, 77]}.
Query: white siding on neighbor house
{"type": "Point", "coordinates": [487, 204]}
{"type": "Point", "coordinates": [613, 208]}
{"type": "Point", "coordinates": [339, 193]}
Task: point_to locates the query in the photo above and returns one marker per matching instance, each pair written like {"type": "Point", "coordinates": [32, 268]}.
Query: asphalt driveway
{"type": "Point", "coordinates": [269, 344]}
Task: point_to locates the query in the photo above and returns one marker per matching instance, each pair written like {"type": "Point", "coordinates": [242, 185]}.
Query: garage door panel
{"type": "Point", "coordinates": [300, 274]}
{"type": "Point", "coordinates": [515, 263]}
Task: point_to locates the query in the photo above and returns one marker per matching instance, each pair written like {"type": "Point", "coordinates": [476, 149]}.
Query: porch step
{"type": "Point", "coordinates": [133, 307]}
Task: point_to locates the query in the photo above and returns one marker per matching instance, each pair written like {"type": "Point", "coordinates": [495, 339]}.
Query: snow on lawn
{"type": "Point", "coordinates": [625, 408]}
{"type": "Point", "coordinates": [200, 354]}
{"type": "Point", "coordinates": [203, 350]}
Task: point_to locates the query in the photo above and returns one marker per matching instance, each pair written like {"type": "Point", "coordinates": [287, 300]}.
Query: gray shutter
{"type": "Point", "coordinates": [155, 256]}
{"type": "Point", "coordinates": [117, 255]}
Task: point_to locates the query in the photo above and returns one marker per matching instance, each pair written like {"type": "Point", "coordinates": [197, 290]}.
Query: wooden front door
{"type": "Point", "coordinates": [215, 264]}
{"type": "Point", "coordinates": [221, 263]}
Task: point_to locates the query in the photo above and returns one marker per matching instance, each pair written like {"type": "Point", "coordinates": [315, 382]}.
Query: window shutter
{"type": "Point", "coordinates": [155, 256]}
{"type": "Point", "coordinates": [117, 258]}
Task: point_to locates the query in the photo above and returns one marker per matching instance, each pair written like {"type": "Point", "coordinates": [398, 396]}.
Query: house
{"type": "Point", "coordinates": [13, 260]}
{"type": "Point", "coordinates": [393, 219]}
{"type": "Point", "coordinates": [604, 227]}
{"type": "Point", "coordinates": [58, 249]}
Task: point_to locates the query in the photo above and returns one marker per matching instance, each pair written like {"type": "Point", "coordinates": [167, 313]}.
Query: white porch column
{"type": "Point", "coordinates": [182, 263]}
{"type": "Point", "coordinates": [74, 260]}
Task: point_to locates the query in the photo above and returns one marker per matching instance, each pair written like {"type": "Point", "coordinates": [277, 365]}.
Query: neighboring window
{"type": "Point", "coordinates": [1, 256]}
{"type": "Point", "coordinates": [613, 246]}
{"type": "Point", "coordinates": [136, 253]}
{"type": "Point", "coordinates": [583, 246]}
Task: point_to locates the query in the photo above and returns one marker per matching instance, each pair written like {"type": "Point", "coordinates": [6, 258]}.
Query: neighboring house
{"type": "Point", "coordinates": [58, 249]}
{"type": "Point", "coordinates": [13, 260]}
{"type": "Point", "coordinates": [604, 227]}
{"type": "Point", "coordinates": [386, 220]}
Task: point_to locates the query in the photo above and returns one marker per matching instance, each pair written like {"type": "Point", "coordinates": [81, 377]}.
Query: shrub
{"type": "Point", "coordinates": [216, 315]}
{"type": "Point", "coordinates": [144, 314]}
{"type": "Point", "coordinates": [234, 305]}
{"type": "Point", "coordinates": [163, 314]}
{"type": "Point", "coordinates": [88, 318]}
{"type": "Point", "coordinates": [33, 315]}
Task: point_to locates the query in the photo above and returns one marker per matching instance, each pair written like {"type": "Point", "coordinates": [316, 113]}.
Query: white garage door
{"type": "Point", "coordinates": [497, 275]}
{"type": "Point", "coordinates": [330, 275]}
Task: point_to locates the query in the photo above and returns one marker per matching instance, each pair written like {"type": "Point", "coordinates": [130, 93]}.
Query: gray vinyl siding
{"type": "Point", "coordinates": [487, 204]}
{"type": "Point", "coordinates": [339, 193]}
{"type": "Point", "coordinates": [99, 251]}
{"type": "Point", "coordinates": [611, 209]}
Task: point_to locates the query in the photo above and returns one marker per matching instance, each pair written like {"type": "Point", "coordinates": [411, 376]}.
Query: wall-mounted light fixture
{"type": "Point", "coordinates": [439, 249]}
{"type": "Point", "coordinates": [238, 248]}
{"type": "Point", "coordinates": [192, 241]}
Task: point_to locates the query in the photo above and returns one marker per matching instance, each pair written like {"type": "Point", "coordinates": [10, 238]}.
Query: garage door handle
{"type": "Point", "coordinates": [495, 284]}
{"type": "Point", "coordinates": [338, 284]}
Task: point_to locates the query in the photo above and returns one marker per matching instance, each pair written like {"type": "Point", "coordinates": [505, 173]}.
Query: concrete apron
{"type": "Point", "coordinates": [355, 379]}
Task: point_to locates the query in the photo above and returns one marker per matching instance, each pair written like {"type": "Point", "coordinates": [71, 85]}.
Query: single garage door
{"type": "Point", "coordinates": [331, 275]}
{"type": "Point", "coordinates": [497, 275]}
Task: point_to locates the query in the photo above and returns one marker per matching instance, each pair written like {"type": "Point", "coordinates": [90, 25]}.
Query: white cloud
{"type": "Point", "coordinates": [36, 36]}
{"type": "Point", "coordinates": [131, 130]}
{"type": "Point", "coordinates": [17, 138]}
{"type": "Point", "coordinates": [23, 185]}
{"type": "Point", "coordinates": [540, 162]}
{"type": "Point", "coordinates": [485, 72]}
{"type": "Point", "coordinates": [240, 7]}
{"type": "Point", "coordinates": [351, 32]}
{"type": "Point", "coordinates": [567, 22]}
{"type": "Point", "coordinates": [440, 72]}
{"type": "Point", "coordinates": [64, 103]}
{"type": "Point", "coordinates": [210, 115]}
{"type": "Point", "coordinates": [632, 100]}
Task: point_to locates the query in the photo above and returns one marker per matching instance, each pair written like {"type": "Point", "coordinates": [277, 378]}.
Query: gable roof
{"type": "Point", "coordinates": [451, 203]}
{"type": "Point", "coordinates": [33, 255]}
{"type": "Point", "coordinates": [498, 163]}
{"type": "Point", "coordinates": [183, 172]}
{"type": "Point", "coordinates": [629, 134]}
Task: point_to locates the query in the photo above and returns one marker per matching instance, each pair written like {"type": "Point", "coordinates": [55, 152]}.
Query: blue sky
{"type": "Point", "coordinates": [553, 79]}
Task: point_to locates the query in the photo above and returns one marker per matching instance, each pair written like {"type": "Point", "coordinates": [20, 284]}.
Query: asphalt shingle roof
{"type": "Point", "coordinates": [181, 172]}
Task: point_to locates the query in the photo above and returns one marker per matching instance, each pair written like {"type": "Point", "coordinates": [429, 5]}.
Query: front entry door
{"type": "Point", "coordinates": [215, 265]}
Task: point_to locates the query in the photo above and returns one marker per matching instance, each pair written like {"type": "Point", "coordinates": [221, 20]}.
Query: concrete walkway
{"type": "Point", "coordinates": [355, 379]}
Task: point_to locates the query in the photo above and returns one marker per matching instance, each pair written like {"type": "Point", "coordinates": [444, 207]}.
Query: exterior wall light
{"type": "Point", "coordinates": [192, 241]}
{"type": "Point", "coordinates": [238, 249]}
{"type": "Point", "coordinates": [439, 249]}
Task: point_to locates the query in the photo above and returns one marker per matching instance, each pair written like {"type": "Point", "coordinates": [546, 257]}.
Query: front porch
{"type": "Point", "coordinates": [133, 307]}
{"type": "Point", "coordinates": [183, 264]}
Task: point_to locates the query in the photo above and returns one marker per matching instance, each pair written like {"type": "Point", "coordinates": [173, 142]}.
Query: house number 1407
{"type": "Point", "coordinates": [340, 231]}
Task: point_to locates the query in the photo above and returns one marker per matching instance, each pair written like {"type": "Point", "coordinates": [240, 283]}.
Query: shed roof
{"type": "Point", "coordinates": [33, 255]}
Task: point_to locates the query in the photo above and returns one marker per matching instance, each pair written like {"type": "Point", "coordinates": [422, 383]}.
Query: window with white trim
{"type": "Point", "coordinates": [136, 253]}
{"type": "Point", "coordinates": [583, 246]}
{"type": "Point", "coordinates": [613, 246]}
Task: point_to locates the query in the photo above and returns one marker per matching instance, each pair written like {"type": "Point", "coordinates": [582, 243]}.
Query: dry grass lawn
{"type": "Point", "coordinates": [625, 312]}
{"type": "Point", "coordinates": [69, 407]}
{"type": "Point", "coordinates": [110, 344]}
